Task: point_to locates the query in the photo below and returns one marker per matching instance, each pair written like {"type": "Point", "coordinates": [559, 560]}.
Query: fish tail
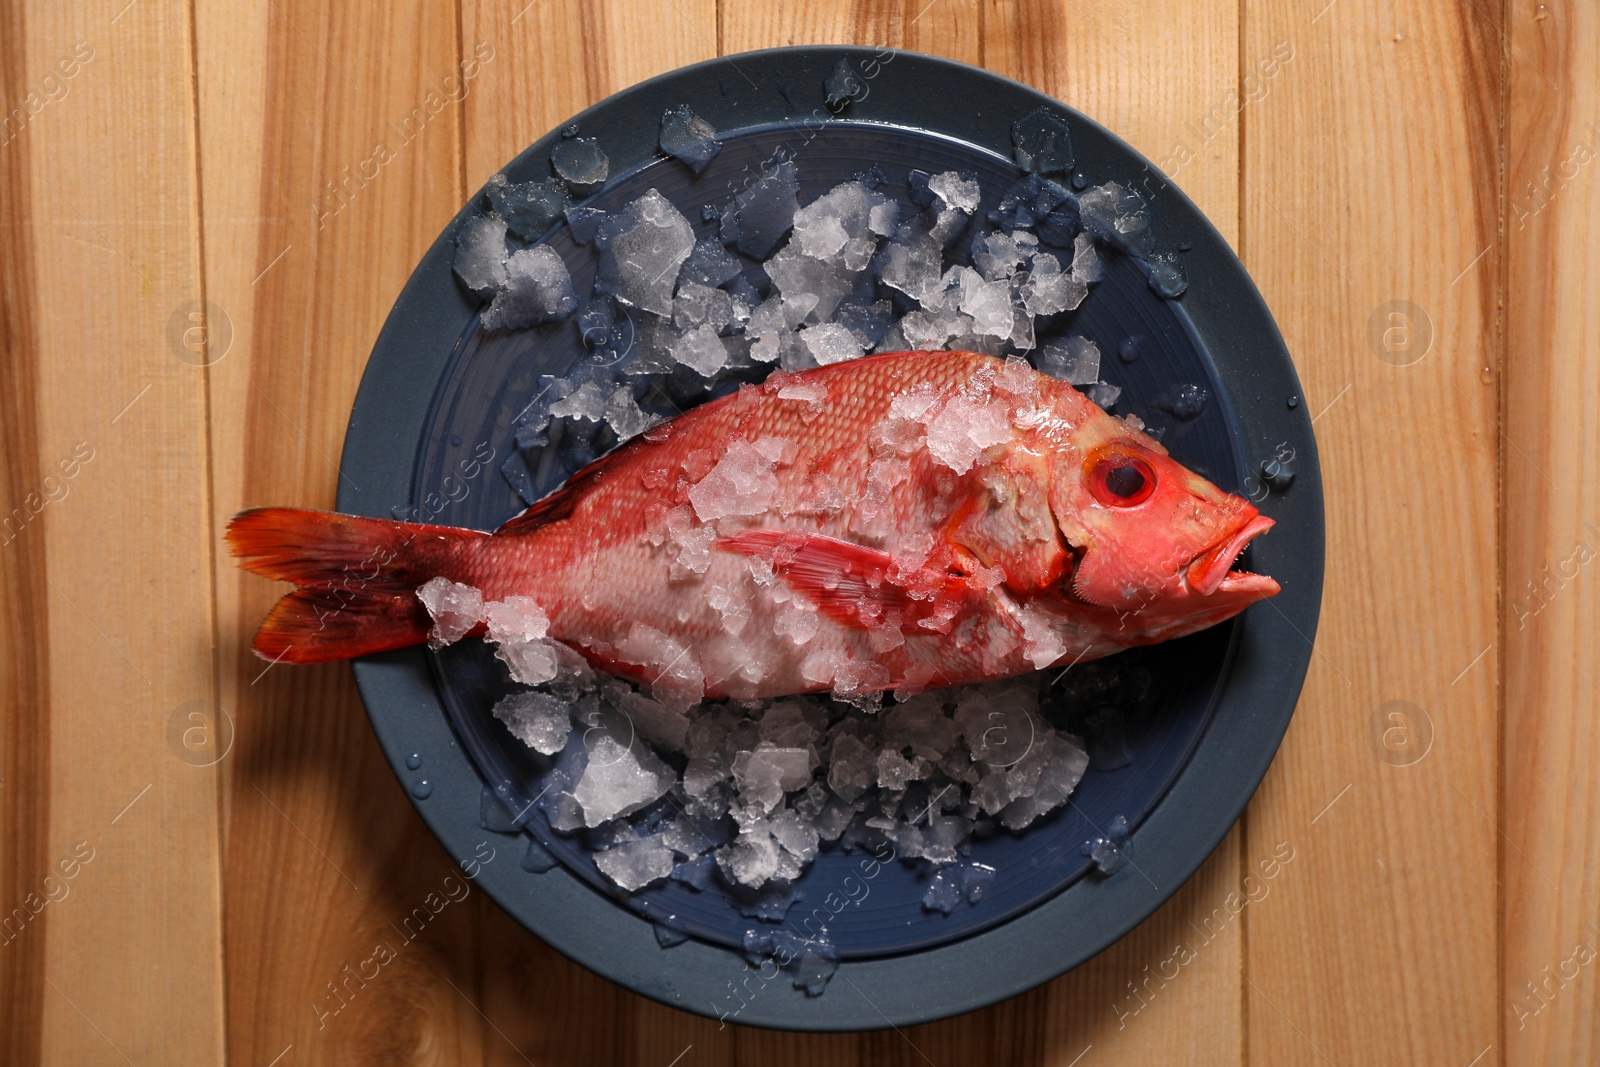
{"type": "Point", "coordinates": [357, 579]}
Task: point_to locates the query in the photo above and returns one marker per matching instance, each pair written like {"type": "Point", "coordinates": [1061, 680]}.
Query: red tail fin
{"type": "Point", "coordinates": [358, 579]}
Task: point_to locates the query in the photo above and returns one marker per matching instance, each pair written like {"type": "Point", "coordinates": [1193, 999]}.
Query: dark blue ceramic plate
{"type": "Point", "coordinates": [439, 396]}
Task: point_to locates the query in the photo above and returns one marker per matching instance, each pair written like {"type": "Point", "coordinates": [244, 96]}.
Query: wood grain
{"type": "Point", "coordinates": [123, 578]}
{"type": "Point", "coordinates": [545, 1007]}
{"type": "Point", "coordinates": [1551, 603]}
{"type": "Point", "coordinates": [1386, 951]}
{"type": "Point", "coordinates": [313, 233]}
{"type": "Point", "coordinates": [1153, 78]}
{"type": "Point", "coordinates": [219, 154]}
{"type": "Point", "coordinates": [24, 605]}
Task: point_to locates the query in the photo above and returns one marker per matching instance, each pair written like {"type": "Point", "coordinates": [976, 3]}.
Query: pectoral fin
{"type": "Point", "coordinates": [862, 587]}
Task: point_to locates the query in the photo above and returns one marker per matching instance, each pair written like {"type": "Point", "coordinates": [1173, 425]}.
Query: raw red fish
{"type": "Point", "coordinates": [901, 521]}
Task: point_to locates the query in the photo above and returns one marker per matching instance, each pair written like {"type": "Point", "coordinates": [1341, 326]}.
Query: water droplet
{"type": "Point", "coordinates": [667, 937]}
{"type": "Point", "coordinates": [414, 761]}
{"type": "Point", "coordinates": [1294, 402]}
{"type": "Point", "coordinates": [1486, 375]}
{"type": "Point", "coordinates": [422, 790]}
{"type": "Point", "coordinates": [1080, 181]}
{"type": "Point", "coordinates": [455, 440]}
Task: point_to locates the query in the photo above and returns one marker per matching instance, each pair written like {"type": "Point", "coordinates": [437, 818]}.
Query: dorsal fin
{"type": "Point", "coordinates": [560, 501]}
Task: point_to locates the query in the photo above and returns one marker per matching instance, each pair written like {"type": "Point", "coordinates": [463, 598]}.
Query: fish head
{"type": "Point", "coordinates": [1147, 534]}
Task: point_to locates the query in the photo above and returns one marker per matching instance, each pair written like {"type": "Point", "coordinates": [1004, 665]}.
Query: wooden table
{"type": "Point", "coordinates": [1411, 185]}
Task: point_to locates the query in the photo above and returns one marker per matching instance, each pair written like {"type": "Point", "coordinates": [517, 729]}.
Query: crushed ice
{"type": "Point", "coordinates": [664, 784]}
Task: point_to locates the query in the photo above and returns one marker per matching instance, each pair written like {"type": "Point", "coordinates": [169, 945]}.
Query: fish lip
{"type": "Point", "coordinates": [1212, 569]}
{"type": "Point", "coordinates": [1254, 586]}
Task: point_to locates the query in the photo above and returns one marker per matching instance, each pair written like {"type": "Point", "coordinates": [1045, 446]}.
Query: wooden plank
{"type": "Point", "coordinates": [310, 233]}
{"type": "Point", "coordinates": [126, 845]}
{"type": "Point", "coordinates": [1165, 80]}
{"type": "Point", "coordinates": [561, 56]}
{"type": "Point", "coordinates": [1091, 57]}
{"type": "Point", "coordinates": [566, 55]}
{"type": "Point", "coordinates": [951, 28]}
{"type": "Point", "coordinates": [1375, 242]}
{"type": "Point", "coordinates": [1550, 856]}
{"type": "Point", "coordinates": [24, 597]}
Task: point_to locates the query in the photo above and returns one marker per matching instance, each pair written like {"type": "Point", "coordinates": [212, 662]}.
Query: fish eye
{"type": "Point", "coordinates": [1121, 481]}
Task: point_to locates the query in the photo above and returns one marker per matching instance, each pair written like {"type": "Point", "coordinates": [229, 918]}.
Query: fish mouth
{"type": "Point", "coordinates": [1212, 571]}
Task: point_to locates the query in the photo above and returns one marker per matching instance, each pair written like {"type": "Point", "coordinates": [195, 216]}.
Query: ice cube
{"type": "Point", "coordinates": [580, 163]}
{"type": "Point", "coordinates": [894, 770]}
{"type": "Point", "coordinates": [955, 190]}
{"type": "Point", "coordinates": [836, 227]}
{"type": "Point", "coordinates": [586, 402]}
{"type": "Point", "coordinates": [767, 772]}
{"type": "Point", "coordinates": [538, 289]}
{"type": "Point", "coordinates": [866, 322]}
{"type": "Point", "coordinates": [619, 780]}
{"type": "Point", "coordinates": [796, 622]}
{"type": "Point", "coordinates": [1104, 394]}
{"type": "Point", "coordinates": [480, 259]}
{"type": "Point", "coordinates": [1118, 216]}
{"type": "Point", "coordinates": [853, 767]}
{"type": "Point", "coordinates": [842, 86]}
{"type": "Point", "coordinates": [663, 727]}
{"type": "Point", "coordinates": [811, 288]}
{"type": "Point", "coordinates": [763, 213]}
{"type": "Point", "coordinates": [796, 834]}
{"type": "Point", "coordinates": [529, 208]}
{"type": "Point", "coordinates": [702, 351]}
{"type": "Point", "coordinates": [1109, 850]}
{"type": "Point", "coordinates": [997, 256]}
{"type": "Point", "coordinates": [1042, 142]}
{"type": "Point", "coordinates": [1185, 402]}
{"type": "Point", "coordinates": [957, 882]}
{"type": "Point", "coordinates": [956, 198]}
{"type": "Point", "coordinates": [636, 864]}
{"type": "Point", "coordinates": [944, 892]}
{"type": "Point", "coordinates": [624, 415]}
{"type": "Point", "coordinates": [584, 223]}
{"type": "Point", "coordinates": [539, 720]}
{"type": "Point", "coordinates": [1167, 279]}
{"type": "Point", "coordinates": [988, 303]}
{"type": "Point", "coordinates": [456, 608]}
{"type": "Point", "coordinates": [677, 680]}
{"type": "Point", "coordinates": [645, 243]}
{"type": "Point", "coordinates": [964, 428]}
{"type": "Point", "coordinates": [1087, 266]}
{"type": "Point", "coordinates": [830, 343]}
{"type": "Point", "coordinates": [1075, 360]}
{"type": "Point", "coordinates": [911, 262]}
{"type": "Point", "coordinates": [1047, 289]}
{"type": "Point", "coordinates": [741, 483]}
{"type": "Point", "coordinates": [688, 137]}
{"type": "Point", "coordinates": [752, 859]}
{"type": "Point", "coordinates": [698, 304]}
{"type": "Point", "coordinates": [518, 626]}
{"type": "Point", "coordinates": [710, 264]}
